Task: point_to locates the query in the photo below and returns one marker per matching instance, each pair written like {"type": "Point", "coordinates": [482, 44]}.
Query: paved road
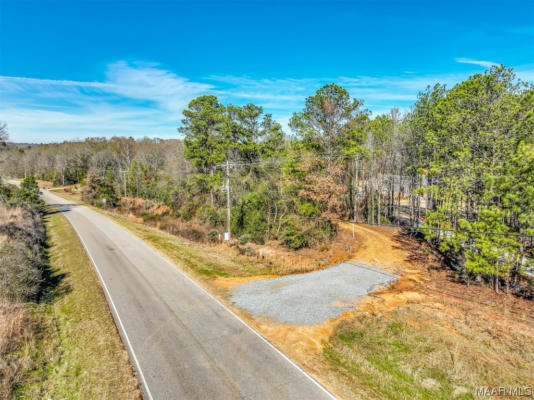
{"type": "Point", "coordinates": [183, 343]}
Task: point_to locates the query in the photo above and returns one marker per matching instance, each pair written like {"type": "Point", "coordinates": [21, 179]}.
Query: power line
{"type": "Point", "coordinates": [359, 222]}
{"type": "Point", "coordinates": [278, 161]}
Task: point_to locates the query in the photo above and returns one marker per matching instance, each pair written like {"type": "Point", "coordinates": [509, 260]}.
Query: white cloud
{"type": "Point", "coordinates": [52, 82]}
{"type": "Point", "coordinates": [148, 82]}
{"type": "Point", "coordinates": [56, 125]}
{"type": "Point", "coordinates": [480, 63]}
{"type": "Point", "coordinates": [134, 99]}
{"type": "Point", "coordinates": [140, 99]}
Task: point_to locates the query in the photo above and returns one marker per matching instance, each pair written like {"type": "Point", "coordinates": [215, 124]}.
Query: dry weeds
{"type": "Point", "coordinates": [16, 337]}
{"type": "Point", "coordinates": [21, 267]}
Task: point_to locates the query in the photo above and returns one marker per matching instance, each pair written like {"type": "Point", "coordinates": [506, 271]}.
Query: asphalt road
{"type": "Point", "coordinates": [183, 343]}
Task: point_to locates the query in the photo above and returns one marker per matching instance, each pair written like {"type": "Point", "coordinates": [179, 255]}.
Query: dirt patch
{"type": "Point", "coordinates": [134, 218]}
{"type": "Point", "coordinates": [46, 184]}
{"type": "Point", "coordinates": [230, 283]}
{"type": "Point", "coordinates": [393, 251]}
{"type": "Point", "coordinates": [377, 246]}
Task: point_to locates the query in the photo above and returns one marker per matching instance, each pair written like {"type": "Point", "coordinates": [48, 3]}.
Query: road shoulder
{"type": "Point", "coordinates": [79, 353]}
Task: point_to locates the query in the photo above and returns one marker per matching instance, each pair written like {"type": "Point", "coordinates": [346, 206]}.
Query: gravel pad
{"type": "Point", "coordinates": [307, 299]}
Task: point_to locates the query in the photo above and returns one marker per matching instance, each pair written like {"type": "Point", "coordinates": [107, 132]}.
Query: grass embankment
{"type": "Point", "coordinates": [199, 259]}
{"type": "Point", "coordinates": [404, 356]}
{"type": "Point", "coordinates": [78, 353]}
{"type": "Point", "coordinates": [444, 345]}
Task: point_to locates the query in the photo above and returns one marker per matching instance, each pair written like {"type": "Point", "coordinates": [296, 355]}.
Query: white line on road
{"type": "Point", "coordinates": [108, 295]}
{"type": "Point", "coordinates": [182, 273]}
{"type": "Point", "coordinates": [179, 271]}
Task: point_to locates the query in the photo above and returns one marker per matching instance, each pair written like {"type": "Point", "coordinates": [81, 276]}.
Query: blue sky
{"type": "Point", "coordinates": [78, 68]}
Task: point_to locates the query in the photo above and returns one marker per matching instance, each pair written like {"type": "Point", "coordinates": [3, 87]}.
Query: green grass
{"type": "Point", "coordinates": [79, 353]}
{"type": "Point", "coordinates": [389, 359]}
{"type": "Point", "coordinates": [407, 355]}
{"type": "Point", "coordinates": [203, 261]}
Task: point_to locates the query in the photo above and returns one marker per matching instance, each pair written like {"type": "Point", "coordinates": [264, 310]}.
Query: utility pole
{"type": "Point", "coordinates": [124, 181]}
{"type": "Point", "coordinates": [136, 185]}
{"type": "Point", "coordinates": [227, 235]}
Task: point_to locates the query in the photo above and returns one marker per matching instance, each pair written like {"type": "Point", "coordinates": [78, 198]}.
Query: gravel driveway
{"type": "Point", "coordinates": [307, 299]}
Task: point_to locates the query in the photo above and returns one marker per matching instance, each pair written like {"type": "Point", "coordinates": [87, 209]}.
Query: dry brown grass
{"type": "Point", "coordinates": [22, 261]}
{"type": "Point", "coordinates": [429, 350]}
{"type": "Point", "coordinates": [46, 184]}
{"type": "Point", "coordinates": [135, 205]}
{"type": "Point", "coordinates": [17, 336]}
{"type": "Point", "coordinates": [11, 214]}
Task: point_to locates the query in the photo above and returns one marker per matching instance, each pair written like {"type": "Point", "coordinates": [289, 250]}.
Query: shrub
{"type": "Point", "coordinates": [292, 235]}
{"type": "Point", "coordinates": [308, 209]}
{"type": "Point", "coordinates": [209, 215]}
{"type": "Point", "coordinates": [244, 239]}
{"type": "Point", "coordinates": [6, 193]}
{"type": "Point", "coordinates": [100, 191]}
{"type": "Point", "coordinates": [249, 250]}
{"type": "Point", "coordinates": [248, 217]}
{"type": "Point", "coordinates": [29, 191]}
{"type": "Point", "coordinates": [148, 216]}
{"type": "Point", "coordinates": [22, 266]}
{"type": "Point", "coordinates": [22, 257]}
{"type": "Point", "coordinates": [246, 250]}
{"type": "Point", "coordinates": [192, 234]}
{"type": "Point", "coordinates": [213, 236]}
{"type": "Point", "coordinates": [20, 273]}
{"type": "Point", "coordinates": [298, 233]}
{"type": "Point", "coordinates": [16, 332]}
{"type": "Point", "coordinates": [187, 215]}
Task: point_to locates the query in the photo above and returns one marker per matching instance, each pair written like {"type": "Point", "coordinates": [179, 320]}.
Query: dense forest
{"type": "Point", "coordinates": [457, 169]}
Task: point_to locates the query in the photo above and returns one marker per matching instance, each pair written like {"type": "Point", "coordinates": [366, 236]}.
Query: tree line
{"type": "Point", "coordinates": [458, 168]}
